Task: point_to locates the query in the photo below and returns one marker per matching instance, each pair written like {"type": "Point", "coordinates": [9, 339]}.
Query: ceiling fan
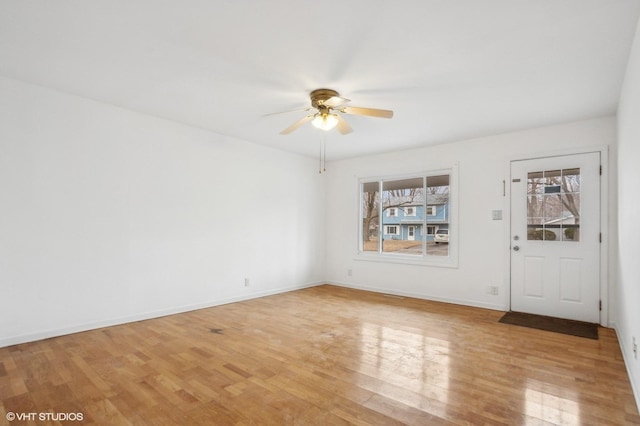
{"type": "Point", "coordinates": [329, 106]}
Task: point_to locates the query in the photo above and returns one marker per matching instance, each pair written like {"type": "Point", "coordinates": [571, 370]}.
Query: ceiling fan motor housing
{"type": "Point", "coordinates": [320, 96]}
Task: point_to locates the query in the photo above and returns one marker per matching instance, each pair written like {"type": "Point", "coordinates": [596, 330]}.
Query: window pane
{"type": "Point", "coordinates": [552, 210]}
{"type": "Point", "coordinates": [571, 180]}
{"type": "Point", "coordinates": [534, 205]}
{"type": "Point", "coordinates": [552, 177]}
{"type": "Point", "coordinates": [535, 183]}
{"type": "Point", "coordinates": [438, 202]}
{"type": "Point", "coordinates": [397, 195]}
{"type": "Point", "coordinates": [571, 216]}
{"type": "Point", "coordinates": [571, 233]}
{"type": "Point", "coordinates": [370, 211]}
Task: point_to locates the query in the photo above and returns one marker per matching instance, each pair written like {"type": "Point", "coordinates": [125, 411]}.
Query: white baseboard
{"type": "Point", "coordinates": [635, 387]}
{"type": "Point", "coordinates": [473, 303]}
{"type": "Point", "coordinates": [46, 334]}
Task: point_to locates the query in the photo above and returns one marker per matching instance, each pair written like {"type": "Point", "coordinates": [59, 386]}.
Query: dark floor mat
{"type": "Point", "coordinates": [558, 325]}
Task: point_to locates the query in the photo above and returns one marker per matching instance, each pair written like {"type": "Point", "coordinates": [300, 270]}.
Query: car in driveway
{"type": "Point", "coordinates": [442, 236]}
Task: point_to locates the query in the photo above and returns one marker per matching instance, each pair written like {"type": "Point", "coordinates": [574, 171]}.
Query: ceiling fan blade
{"type": "Point", "coordinates": [335, 101]}
{"type": "Point", "coordinates": [342, 126]}
{"type": "Point", "coordinates": [297, 124]}
{"type": "Point", "coordinates": [285, 112]}
{"type": "Point", "coordinates": [371, 112]}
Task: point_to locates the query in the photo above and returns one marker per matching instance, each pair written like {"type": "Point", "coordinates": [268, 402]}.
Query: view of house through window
{"type": "Point", "coordinates": [406, 216]}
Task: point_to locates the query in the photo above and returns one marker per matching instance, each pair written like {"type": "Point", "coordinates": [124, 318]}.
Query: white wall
{"type": "Point", "coordinates": [628, 269]}
{"type": "Point", "coordinates": [107, 216]}
{"type": "Point", "coordinates": [484, 245]}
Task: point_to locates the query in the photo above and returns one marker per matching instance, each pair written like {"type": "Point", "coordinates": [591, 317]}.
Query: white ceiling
{"type": "Point", "coordinates": [449, 69]}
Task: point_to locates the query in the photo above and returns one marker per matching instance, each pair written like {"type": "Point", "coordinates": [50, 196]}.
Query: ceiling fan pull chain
{"type": "Point", "coordinates": [320, 159]}
{"type": "Point", "coordinates": [323, 155]}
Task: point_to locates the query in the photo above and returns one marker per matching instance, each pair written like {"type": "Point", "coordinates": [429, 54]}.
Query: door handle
{"type": "Point", "coordinates": [516, 248]}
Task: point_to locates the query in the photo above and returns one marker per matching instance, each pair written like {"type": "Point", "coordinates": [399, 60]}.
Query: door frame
{"type": "Point", "coordinates": [604, 219]}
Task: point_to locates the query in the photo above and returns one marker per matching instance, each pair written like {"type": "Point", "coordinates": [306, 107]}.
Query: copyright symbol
{"type": "Point", "coordinates": [11, 416]}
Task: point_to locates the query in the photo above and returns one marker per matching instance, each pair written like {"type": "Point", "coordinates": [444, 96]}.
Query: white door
{"type": "Point", "coordinates": [412, 233]}
{"type": "Point", "coordinates": [555, 236]}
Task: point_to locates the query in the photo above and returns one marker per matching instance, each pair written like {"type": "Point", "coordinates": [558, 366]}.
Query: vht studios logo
{"type": "Point", "coordinates": [43, 417]}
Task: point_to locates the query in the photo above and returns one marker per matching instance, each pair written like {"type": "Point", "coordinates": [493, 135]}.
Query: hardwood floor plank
{"type": "Point", "coordinates": [322, 355]}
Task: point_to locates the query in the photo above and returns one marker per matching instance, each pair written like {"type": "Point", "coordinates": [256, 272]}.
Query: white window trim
{"type": "Point", "coordinates": [394, 210]}
{"type": "Point", "coordinates": [450, 261]}
{"type": "Point", "coordinates": [410, 214]}
{"type": "Point", "coordinates": [433, 209]}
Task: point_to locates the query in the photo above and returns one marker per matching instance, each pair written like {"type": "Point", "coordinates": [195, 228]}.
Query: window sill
{"type": "Point", "coordinates": [422, 260]}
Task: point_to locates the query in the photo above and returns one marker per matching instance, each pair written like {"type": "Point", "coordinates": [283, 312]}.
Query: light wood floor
{"type": "Point", "coordinates": [323, 355]}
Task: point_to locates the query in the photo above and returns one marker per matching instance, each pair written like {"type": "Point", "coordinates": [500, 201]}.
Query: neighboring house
{"type": "Point", "coordinates": [564, 228]}
{"type": "Point", "coordinates": [407, 222]}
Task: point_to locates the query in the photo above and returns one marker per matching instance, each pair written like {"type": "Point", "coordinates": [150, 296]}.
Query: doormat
{"type": "Point", "coordinates": [557, 325]}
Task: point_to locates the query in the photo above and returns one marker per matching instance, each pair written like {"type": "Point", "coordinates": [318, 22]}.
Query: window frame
{"type": "Point", "coordinates": [424, 259]}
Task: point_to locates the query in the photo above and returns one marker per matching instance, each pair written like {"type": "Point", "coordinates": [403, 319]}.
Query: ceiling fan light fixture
{"type": "Point", "coordinates": [327, 103]}
{"type": "Point", "coordinates": [325, 122]}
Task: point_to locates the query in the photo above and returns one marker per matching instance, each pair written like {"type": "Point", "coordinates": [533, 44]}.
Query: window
{"type": "Point", "coordinates": [387, 235]}
{"type": "Point", "coordinates": [391, 230]}
{"type": "Point", "coordinates": [553, 205]}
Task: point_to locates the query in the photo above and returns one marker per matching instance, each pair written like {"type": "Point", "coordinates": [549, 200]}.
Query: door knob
{"type": "Point", "coordinates": [516, 248]}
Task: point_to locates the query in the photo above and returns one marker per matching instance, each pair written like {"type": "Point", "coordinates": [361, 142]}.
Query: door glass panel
{"type": "Point", "coordinates": [535, 183]}
{"type": "Point", "coordinates": [552, 179]}
{"type": "Point", "coordinates": [571, 180]}
{"type": "Point", "coordinates": [553, 205]}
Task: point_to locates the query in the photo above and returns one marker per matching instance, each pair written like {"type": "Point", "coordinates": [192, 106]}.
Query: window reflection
{"type": "Point", "coordinates": [546, 407]}
{"type": "Point", "coordinates": [410, 361]}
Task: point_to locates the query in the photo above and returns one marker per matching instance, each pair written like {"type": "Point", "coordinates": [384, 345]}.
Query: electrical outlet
{"type": "Point", "coordinates": [246, 282]}
{"type": "Point", "coordinates": [349, 272]}
{"type": "Point", "coordinates": [493, 290]}
{"type": "Point", "coordinates": [634, 347]}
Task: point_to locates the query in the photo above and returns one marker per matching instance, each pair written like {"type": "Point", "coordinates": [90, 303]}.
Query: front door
{"type": "Point", "coordinates": [555, 236]}
{"type": "Point", "coordinates": [412, 233]}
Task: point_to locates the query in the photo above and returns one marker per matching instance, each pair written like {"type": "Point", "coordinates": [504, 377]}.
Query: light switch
{"type": "Point", "coordinates": [496, 214]}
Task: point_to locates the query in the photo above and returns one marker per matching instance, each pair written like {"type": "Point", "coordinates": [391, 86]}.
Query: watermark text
{"type": "Point", "coordinates": [44, 417]}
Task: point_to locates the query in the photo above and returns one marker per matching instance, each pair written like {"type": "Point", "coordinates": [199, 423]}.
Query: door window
{"type": "Point", "coordinates": [553, 205]}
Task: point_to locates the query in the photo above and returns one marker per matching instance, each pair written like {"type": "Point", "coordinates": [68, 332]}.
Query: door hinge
{"type": "Point", "coordinates": [600, 237]}
{"type": "Point", "coordinates": [600, 305]}
{"type": "Point", "coordinates": [600, 169]}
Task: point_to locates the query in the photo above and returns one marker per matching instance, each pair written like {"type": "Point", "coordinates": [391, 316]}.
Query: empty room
{"type": "Point", "coordinates": [295, 212]}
